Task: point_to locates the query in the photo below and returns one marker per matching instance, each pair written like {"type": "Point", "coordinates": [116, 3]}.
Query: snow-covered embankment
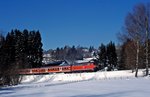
{"type": "Point", "coordinates": [79, 76]}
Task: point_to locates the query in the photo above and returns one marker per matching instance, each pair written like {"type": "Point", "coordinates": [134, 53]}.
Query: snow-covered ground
{"type": "Point", "coordinates": [99, 84]}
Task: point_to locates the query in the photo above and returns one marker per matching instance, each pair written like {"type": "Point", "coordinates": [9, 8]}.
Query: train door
{"type": "Point", "coordinates": [60, 69]}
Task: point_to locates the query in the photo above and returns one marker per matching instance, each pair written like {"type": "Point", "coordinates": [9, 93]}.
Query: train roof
{"type": "Point", "coordinates": [56, 63]}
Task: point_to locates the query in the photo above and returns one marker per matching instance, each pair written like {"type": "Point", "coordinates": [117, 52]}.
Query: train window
{"type": "Point", "coordinates": [50, 69]}
{"type": "Point", "coordinates": [66, 68]}
{"type": "Point", "coordinates": [42, 70]}
{"type": "Point", "coordinates": [35, 70]}
{"type": "Point", "coordinates": [55, 69]}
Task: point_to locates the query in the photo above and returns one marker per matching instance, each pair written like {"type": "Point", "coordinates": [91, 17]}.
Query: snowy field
{"type": "Point", "coordinates": [99, 84]}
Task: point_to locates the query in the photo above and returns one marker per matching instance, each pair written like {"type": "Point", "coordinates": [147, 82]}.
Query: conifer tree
{"type": "Point", "coordinates": [19, 50]}
{"type": "Point", "coordinates": [9, 69]}
{"type": "Point", "coordinates": [38, 49]}
{"type": "Point", "coordinates": [103, 56]}
{"type": "Point", "coordinates": [112, 56]}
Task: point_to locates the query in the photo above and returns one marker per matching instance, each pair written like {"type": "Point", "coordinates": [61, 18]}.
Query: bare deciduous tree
{"type": "Point", "coordinates": [137, 29]}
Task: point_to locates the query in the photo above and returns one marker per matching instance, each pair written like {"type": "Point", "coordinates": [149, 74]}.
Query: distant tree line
{"type": "Point", "coordinates": [18, 50]}
{"type": "Point", "coordinates": [71, 54]}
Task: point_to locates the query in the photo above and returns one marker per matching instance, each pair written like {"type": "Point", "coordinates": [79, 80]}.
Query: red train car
{"type": "Point", "coordinates": [83, 67]}
{"type": "Point", "coordinates": [59, 69]}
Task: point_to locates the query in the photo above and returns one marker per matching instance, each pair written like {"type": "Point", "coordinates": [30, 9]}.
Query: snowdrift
{"type": "Point", "coordinates": [79, 76]}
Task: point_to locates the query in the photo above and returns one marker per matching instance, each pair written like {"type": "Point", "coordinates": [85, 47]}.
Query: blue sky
{"type": "Point", "coordinates": [67, 22]}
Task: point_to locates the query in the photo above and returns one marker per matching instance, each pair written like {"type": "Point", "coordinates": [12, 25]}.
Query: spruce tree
{"type": "Point", "coordinates": [38, 49]}
{"type": "Point", "coordinates": [19, 48]}
{"type": "Point", "coordinates": [103, 55]}
{"type": "Point", "coordinates": [9, 69]}
{"type": "Point", "coordinates": [2, 41]}
{"type": "Point", "coordinates": [25, 48]}
{"type": "Point", "coordinates": [112, 56]}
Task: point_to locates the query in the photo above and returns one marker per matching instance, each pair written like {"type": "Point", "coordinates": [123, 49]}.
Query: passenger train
{"type": "Point", "coordinates": [88, 66]}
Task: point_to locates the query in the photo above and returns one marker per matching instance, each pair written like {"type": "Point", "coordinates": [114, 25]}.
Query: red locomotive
{"type": "Point", "coordinates": [90, 66]}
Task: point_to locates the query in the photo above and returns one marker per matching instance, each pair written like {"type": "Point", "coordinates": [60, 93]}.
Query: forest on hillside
{"type": "Point", "coordinates": [19, 50]}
